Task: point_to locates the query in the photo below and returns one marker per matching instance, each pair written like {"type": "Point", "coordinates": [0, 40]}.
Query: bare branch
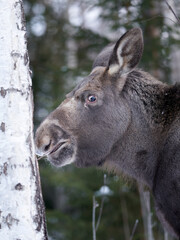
{"type": "Point", "coordinates": [146, 211]}
{"type": "Point", "coordinates": [94, 218]}
{"type": "Point", "coordinates": [134, 229]}
{"type": "Point", "coordinates": [100, 213]}
{"type": "Point", "coordinates": [171, 9]}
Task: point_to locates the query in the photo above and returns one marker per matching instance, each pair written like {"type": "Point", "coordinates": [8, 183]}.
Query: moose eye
{"type": "Point", "coordinates": [92, 99]}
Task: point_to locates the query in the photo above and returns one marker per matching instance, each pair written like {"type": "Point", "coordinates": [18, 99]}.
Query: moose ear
{"type": "Point", "coordinates": [127, 52]}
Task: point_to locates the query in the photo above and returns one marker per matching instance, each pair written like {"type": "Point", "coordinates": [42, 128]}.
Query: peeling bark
{"type": "Point", "coordinates": [22, 214]}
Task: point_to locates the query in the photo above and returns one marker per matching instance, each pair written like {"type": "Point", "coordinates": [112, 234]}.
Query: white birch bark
{"type": "Point", "coordinates": [170, 21]}
{"type": "Point", "coordinates": [146, 212]}
{"type": "Point", "coordinates": [21, 205]}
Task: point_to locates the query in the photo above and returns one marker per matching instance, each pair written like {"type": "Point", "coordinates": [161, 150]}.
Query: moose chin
{"type": "Point", "coordinates": [121, 118]}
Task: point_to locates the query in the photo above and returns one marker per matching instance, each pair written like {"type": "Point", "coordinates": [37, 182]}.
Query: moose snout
{"type": "Point", "coordinates": [47, 136]}
{"type": "Point", "coordinates": [43, 145]}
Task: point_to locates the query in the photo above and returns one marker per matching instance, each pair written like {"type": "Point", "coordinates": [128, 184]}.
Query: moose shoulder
{"type": "Point", "coordinates": [121, 119]}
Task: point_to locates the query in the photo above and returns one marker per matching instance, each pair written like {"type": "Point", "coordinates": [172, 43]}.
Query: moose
{"type": "Point", "coordinates": [121, 119]}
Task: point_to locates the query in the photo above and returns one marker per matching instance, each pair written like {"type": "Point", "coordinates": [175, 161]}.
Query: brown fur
{"type": "Point", "coordinates": [133, 126]}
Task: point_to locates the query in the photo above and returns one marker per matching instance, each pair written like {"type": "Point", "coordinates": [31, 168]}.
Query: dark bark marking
{"type": "Point", "coordinates": [9, 220]}
{"type": "Point", "coordinates": [40, 218]}
{"type": "Point", "coordinates": [3, 92]}
{"type": "Point", "coordinates": [19, 187]}
{"type": "Point", "coordinates": [15, 55]}
{"type": "Point", "coordinates": [3, 127]}
{"type": "Point", "coordinates": [19, 4]}
{"type": "Point", "coordinates": [3, 169]}
{"type": "Point", "coordinates": [32, 168]}
{"type": "Point", "coordinates": [26, 58]}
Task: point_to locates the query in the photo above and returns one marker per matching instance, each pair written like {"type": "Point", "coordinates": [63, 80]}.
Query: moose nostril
{"type": "Point", "coordinates": [46, 147]}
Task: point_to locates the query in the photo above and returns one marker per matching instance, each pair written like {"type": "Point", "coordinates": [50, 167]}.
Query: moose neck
{"type": "Point", "coordinates": [137, 152]}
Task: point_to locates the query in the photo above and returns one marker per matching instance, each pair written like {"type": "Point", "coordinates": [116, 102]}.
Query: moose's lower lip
{"type": "Point", "coordinates": [57, 147]}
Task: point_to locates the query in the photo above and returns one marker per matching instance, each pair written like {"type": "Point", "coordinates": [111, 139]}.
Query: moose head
{"type": "Point", "coordinates": [122, 119]}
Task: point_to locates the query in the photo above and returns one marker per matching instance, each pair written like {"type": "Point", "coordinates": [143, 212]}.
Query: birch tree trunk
{"type": "Point", "coordinates": [21, 204]}
{"type": "Point", "coordinates": [146, 212]}
{"type": "Point", "coordinates": [170, 21]}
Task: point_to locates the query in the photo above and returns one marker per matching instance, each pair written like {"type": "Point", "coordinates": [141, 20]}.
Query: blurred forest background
{"type": "Point", "coordinates": [64, 37]}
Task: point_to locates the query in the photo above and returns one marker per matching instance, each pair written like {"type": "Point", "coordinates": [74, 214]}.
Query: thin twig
{"type": "Point", "coordinates": [149, 214]}
{"type": "Point", "coordinates": [134, 229]}
{"type": "Point", "coordinates": [171, 9]}
{"type": "Point", "coordinates": [100, 213]}
{"type": "Point", "coordinates": [38, 158]}
{"type": "Point", "coordinates": [165, 235]}
{"type": "Point", "coordinates": [55, 148]}
{"type": "Point", "coordinates": [150, 19]}
{"type": "Point", "coordinates": [94, 218]}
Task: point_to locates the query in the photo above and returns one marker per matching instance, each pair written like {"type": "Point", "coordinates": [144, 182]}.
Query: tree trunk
{"type": "Point", "coordinates": [21, 205]}
{"type": "Point", "coordinates": [146, 212]}
{"type": "Point", "coordinates": [170, 21]}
